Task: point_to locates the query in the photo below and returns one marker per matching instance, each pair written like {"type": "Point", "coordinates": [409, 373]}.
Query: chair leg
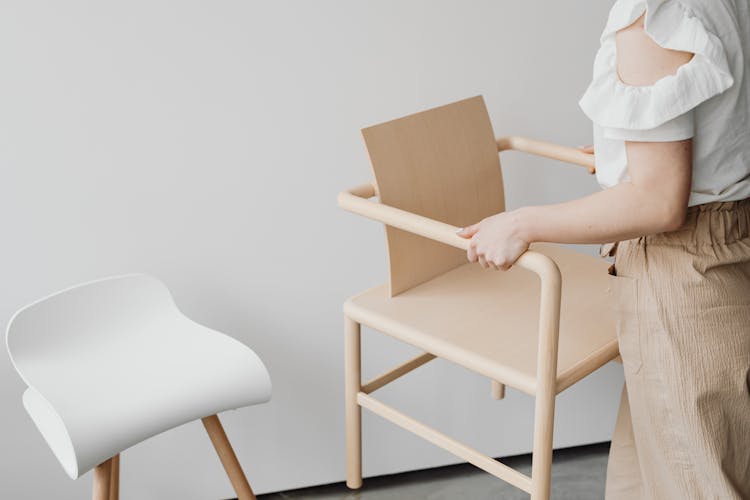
{"type": "Point", "coordinates": [228, 458]}
{"type": "Point", "coordinates": [114, 479]}
{"type": "Point", "coordinates": [102, 477]}
{"type": "Point", "coordinates": [498, 390]}
{"type": "Point", "coordinates": [541, 459]}
{"type": "Point", "coordinates": [352, 386]}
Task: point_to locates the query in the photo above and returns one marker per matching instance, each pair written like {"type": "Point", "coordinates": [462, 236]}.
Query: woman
{"type": "Point", "coordinates": [670, 102]}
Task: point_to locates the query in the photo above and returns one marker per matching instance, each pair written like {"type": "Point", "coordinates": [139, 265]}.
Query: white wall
{"type": "Point", "coordinates": [204, 142]}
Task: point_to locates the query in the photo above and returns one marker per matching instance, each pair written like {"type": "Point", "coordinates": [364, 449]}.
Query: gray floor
{"type": "Point", "coordinates": [577, 474]}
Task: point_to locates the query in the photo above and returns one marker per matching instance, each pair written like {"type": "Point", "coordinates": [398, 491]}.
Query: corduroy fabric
{"type": "Point", "coordinates": [682, 309]}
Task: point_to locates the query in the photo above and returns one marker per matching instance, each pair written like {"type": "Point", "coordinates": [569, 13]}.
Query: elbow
{"type": "Point", "coordinates": [673, 217]}
{"type": "Point", "coordinates": [666, 210]}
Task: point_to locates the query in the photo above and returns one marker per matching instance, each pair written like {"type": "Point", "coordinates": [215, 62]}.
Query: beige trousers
{"type": "Point", "coordinates": [682, 308]}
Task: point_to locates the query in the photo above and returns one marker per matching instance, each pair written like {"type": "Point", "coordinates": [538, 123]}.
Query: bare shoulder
{"type": "Point", "coordinates": [640, 60]}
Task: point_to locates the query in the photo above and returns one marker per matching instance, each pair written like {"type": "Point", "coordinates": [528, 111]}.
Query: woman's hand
{"type": "Point", "coordinates": [587, 149]}
{"type": "Point", "coordinates": [496, 241]}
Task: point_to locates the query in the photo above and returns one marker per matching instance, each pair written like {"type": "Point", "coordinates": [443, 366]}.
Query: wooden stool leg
{"type": "Point", "coordinates": [102, 477]}
{"type": "Point", "coordinates": [228, 458]}
{"type": "Point", "coordinates": [498, 390]}
{"type": "Point", "coordinates": [352, 383]}
{"type": "Point", "coordinates": [114, 479]}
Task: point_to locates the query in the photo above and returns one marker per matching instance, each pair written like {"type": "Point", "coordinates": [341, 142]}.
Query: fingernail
{"type": "Point", "coordinates": [459, 229]}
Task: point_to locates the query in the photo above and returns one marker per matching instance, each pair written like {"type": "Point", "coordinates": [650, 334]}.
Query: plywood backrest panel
{"type": "Point", "coordinates": [441, 163]}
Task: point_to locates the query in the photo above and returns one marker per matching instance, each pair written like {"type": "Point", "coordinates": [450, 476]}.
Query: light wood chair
{"type": "Point", "coordinates": [112, 362]}
{"type": "Point", "coordinates": [538, 327]}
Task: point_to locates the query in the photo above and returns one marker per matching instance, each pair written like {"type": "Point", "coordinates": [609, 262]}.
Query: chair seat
{"type": "Point", "coordinates": [488, 320]}
{"type": "Point", "coordinates": [122, 364]}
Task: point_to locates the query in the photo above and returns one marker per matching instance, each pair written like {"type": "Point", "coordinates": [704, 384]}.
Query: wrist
{"type": "Point", "coordinates": [522, 220]}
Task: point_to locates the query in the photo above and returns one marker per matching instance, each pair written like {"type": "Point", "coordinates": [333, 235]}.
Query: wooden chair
{"type": "Point", "coordinates": [112, 362]}
{"type": "Point", "coordinates": [436, 171]}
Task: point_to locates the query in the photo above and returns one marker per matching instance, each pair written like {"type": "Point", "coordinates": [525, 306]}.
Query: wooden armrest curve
{"type": "Point", "coordinates": [356, 200]}
{"type": "Point", "coordinates": [548, 150]}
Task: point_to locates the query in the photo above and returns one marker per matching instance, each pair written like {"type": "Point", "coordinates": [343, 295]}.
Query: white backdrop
{"type": "Point", "coordinates": [205, 142]}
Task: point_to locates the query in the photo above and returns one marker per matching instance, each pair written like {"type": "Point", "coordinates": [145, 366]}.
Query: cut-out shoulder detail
{"type": "Point", "coordinates": [706, 98]}
{"type": "Point", "coordinates": [640, 60]}
{"type": "Point", "coordinates": [611, 102]}
{"type": "Point", "coordinates": [638, 23]}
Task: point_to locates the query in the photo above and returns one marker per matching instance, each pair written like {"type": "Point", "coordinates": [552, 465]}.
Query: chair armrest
{"type": "Point", "coordinates": [547, 150]}
{"type": "Point", "coordinates": [356, 200]}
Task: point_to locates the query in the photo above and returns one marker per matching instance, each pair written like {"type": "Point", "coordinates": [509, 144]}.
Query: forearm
{"type": "Point", "coordinates": [621, 212]}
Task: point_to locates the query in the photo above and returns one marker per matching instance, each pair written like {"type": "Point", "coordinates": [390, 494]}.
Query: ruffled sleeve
{"type": "Point", "coordinates": [663, 110]}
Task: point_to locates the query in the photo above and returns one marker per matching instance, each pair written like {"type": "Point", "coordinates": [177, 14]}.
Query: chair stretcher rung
{"type": "Point", "coordinates": [397, 372]}
{"type": "Point", "coordinates": [437, 438]}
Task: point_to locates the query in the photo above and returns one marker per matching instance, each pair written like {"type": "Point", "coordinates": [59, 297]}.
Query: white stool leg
{"type": "Point", "coordinates": [228, 458]}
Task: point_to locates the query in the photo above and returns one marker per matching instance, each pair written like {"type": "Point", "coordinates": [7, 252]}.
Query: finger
{"type": "Point", "coordinates": [492, 262]}
{"type": "Point", "coordinates": [471, 253]}
{"type": "Point", "coordinates": [504, 264]}
{"type": "Point", "coordinates": [483, 261]}
{"type": "Point", "coordinates": [587, 149]}
{"type": "Point", "coordinates": [500, 263]}
{"type": "Point", "coordinates": [468, 231]}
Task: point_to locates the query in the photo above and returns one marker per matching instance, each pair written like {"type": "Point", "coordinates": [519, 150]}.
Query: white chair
{"type": "Point", "coordinates": [112, 362]}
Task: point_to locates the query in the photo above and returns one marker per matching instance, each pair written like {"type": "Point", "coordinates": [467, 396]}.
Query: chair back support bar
{"type": "Point", "coordinates": [442, 164]}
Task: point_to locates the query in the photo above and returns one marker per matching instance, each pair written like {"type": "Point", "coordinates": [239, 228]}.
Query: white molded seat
{"type": "Point", "coordinates": [112, 362]}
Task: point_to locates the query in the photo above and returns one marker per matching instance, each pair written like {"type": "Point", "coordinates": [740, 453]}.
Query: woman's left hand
{"type": "Point", "coordinates": [495, 241]}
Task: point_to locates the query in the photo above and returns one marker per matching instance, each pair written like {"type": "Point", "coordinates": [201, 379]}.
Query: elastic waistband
{"type": "Point", "coordinates": [720, 206]}
{"type": "Point", "coordinates": [718, 222]}
{"type": "Point", "coordinates": [714, 223]}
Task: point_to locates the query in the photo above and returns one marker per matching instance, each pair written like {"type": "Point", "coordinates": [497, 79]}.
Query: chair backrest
{"type": "Point", "coordinates": [443, 164]}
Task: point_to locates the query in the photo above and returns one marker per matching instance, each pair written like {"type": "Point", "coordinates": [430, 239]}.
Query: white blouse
{"type": "Point", "coordinates": [708, 98]}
